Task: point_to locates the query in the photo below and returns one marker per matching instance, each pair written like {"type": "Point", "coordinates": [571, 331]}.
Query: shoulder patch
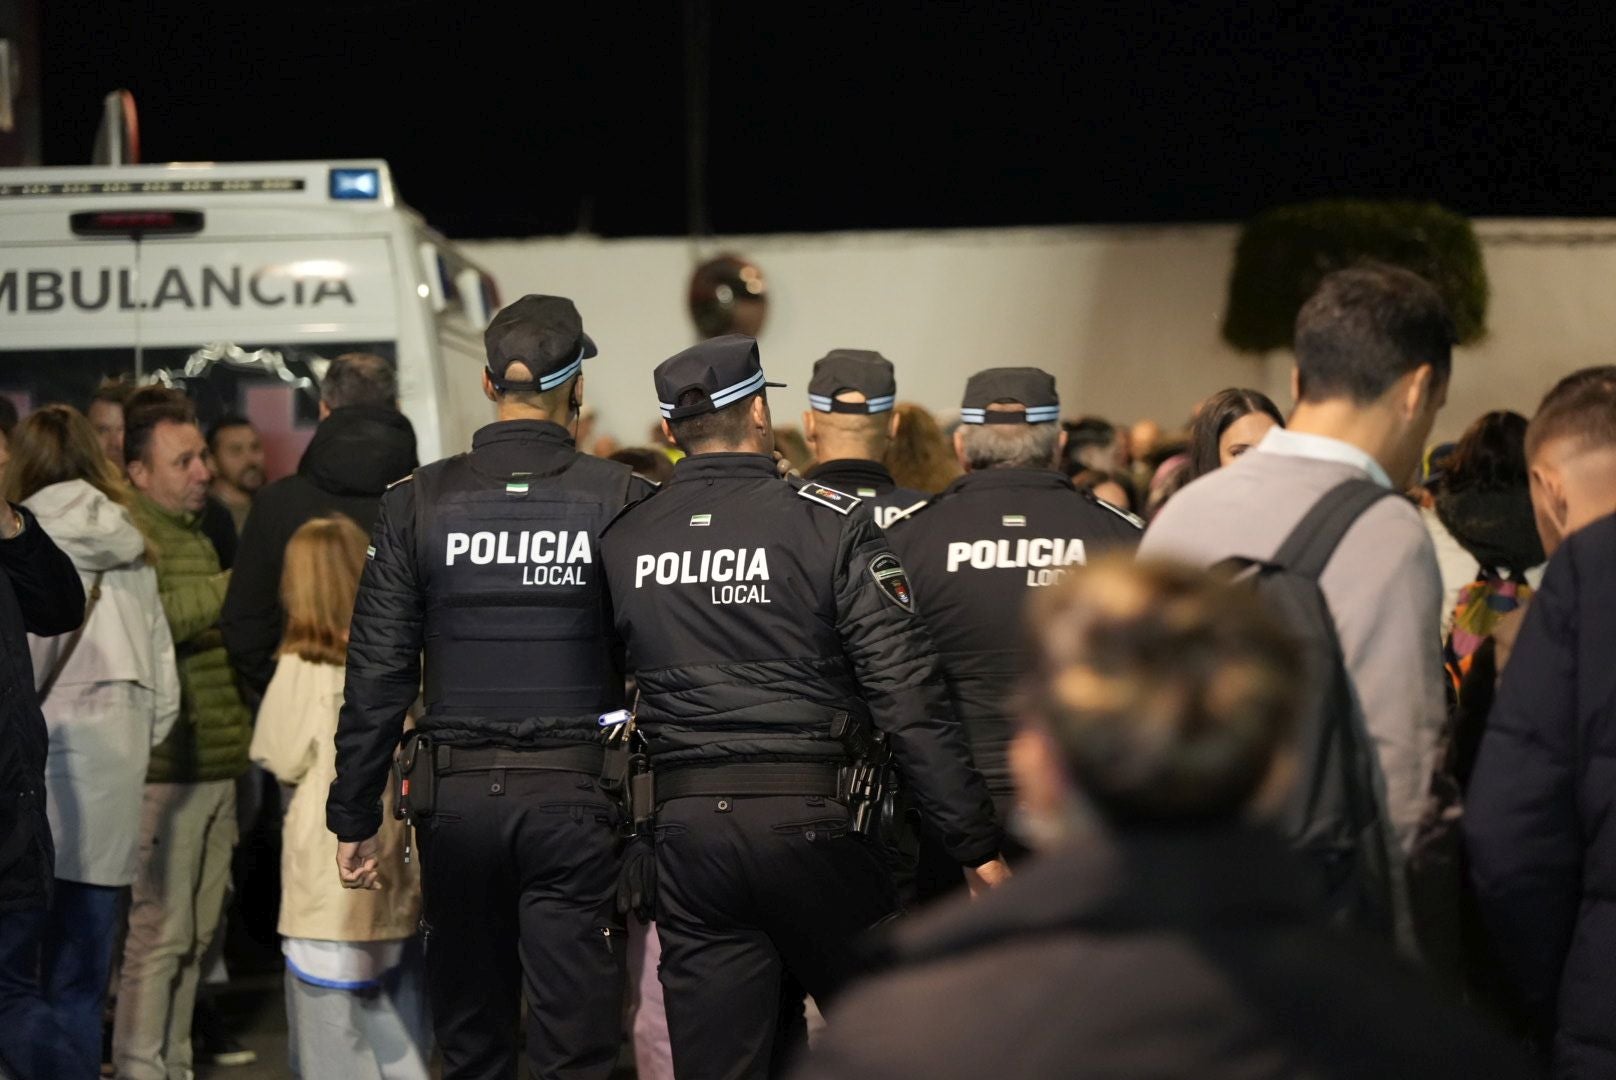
{"type": "Point", "coordinates": [406, 478]}
{"type": "Point", "coordinates": [906, 511]}
{"type": "Point", "coordinates": [1132, 519]}
{"type": "Point", "coordinates": [893, 581]}
{"type": "Point", "coordinates": [839, 501]}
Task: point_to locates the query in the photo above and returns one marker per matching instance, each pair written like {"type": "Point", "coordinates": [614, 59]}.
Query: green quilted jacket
{"type": "Point", "coordinates": [209, 741]}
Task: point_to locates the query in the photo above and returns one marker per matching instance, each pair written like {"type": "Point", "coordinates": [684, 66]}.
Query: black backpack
{"type": "Point", "coordinates": [1333, 818]}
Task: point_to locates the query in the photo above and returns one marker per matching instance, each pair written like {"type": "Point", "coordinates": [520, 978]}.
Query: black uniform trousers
{"type": "Point", "coordinates": [751, 892]}
{"type": "Point", "coordinates": [518, 879]}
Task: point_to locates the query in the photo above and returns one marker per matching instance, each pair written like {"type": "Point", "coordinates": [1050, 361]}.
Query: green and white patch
{"type": "Point", "coordinates": [865, 493]}
{"type": "Point", "coordinates": [370, 552]}
{"type": "Point", "coordinates": [1014, 521]}
{"type": "Point", "coordinates": [516, 487]}
{"type": "Point", "coordinates": [699, 520]}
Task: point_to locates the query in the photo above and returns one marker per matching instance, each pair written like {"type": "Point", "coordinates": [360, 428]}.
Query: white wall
{"type": "Point", "coordinates": [1125, 317]}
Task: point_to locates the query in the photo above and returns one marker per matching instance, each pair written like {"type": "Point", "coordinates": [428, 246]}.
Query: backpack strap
{"type": "Point", "coordinates": [1307, 550]}
{"type": "Point", "coordinates": [73, 642]}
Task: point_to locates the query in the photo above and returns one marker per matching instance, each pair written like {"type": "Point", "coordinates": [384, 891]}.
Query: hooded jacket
{"type": "Point", "coordinates": [1149, 952]}
{"type": "Point", "coordinates": [209, 740]}
{"type": "Point", "coordinates": [355, 454]}
{"type": "Point", "coordinates": [39, 594]}
{"type": "Point", "coordinates": [118, 694]}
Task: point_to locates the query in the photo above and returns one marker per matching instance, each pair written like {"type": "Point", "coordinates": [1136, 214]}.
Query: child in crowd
{"type": "Point", "coordinates": [354, 998]}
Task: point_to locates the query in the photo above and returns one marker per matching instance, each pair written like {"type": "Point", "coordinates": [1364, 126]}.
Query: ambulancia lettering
{"type": "Point", "coordinates": [89, 290]}
{"type": "Point", "coordinates": [546, 557]}
{"type": "Point", "coordinates": [733, 575]}
{"type": "Point", "coordinates": [1044, 558]}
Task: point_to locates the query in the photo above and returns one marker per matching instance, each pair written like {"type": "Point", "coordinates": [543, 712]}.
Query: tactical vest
{"type": "Point", "coordinates": [517, 645]}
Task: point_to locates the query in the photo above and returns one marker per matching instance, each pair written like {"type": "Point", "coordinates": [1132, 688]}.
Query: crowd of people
{"type": "Point", "coordinates": [1272, 745]}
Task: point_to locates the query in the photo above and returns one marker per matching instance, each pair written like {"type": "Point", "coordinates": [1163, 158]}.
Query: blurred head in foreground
{"type": "Point", "coordinates": [1157, 694]}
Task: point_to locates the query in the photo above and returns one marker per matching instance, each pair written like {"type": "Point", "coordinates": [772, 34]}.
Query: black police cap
{"type": "Point", "coordinates": [1025, 386]}
{"type": "Point", "coordinates": [840, 370]}
{"type": "Point", "coordinates": [725, 369]}
{"type": "Point", "coordinates": [544, 333]}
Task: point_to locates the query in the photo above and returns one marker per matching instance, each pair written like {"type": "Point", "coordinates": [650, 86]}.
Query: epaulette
{"type": "Point", "coordinates": [401, 480]}
{"type": "Point", "coordinates": [1132, 519]}
{"type": "Point", "coordinates": [839, 501]}
{"type": "Point", "coordinates": [906, 511]}
{"type": "Point", "coordinates": [655, 490]}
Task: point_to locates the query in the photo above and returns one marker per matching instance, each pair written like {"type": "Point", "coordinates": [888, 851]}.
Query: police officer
{"type": "Point", "coordinates": [1009, 526]}
{"type": "Point", "coordinates": [849, 424]}
{"type": "Point", "coordinates": [769, 626]}
{"type": "Point", "coordinates": [488, 561]}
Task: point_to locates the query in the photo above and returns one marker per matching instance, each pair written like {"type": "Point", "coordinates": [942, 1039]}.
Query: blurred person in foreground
{"type": "Point", "coordinates": [1163, 930]}
{"type": "Point", "coordinates": [188, 813]}
{"type": "Point", "coordinates": [1373, 356]}
{"type": "Point", "coordinates": [353, 980]}
{"type": "Point", "coordinates": [1540, 817]}
{"type": "Point", "coordinates": [362, 444]}
{"type": "Point", "coordinates": [850, 425]}
{"type": "Point", "coordinates": [1228, 424]}
{"type": "Point", "coordinates": [110, 692]}
{"type": "Point", "coordinates": [40, 594]}
{"type": "Point", "coordinates": [920, 457]}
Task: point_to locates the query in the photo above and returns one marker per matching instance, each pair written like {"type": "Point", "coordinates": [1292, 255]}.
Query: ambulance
{"type": "Point", "coordinates": [239, 282]}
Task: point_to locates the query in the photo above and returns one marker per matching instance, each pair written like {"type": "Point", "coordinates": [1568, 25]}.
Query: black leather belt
{"type": "Point", "coordinates": [459, 759]}
{"type": "Point", "coordinates": [758, 778]}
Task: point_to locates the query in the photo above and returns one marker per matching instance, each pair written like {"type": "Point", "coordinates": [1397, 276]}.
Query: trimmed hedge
{"type": "Point", "coordinates": [1284, 252]}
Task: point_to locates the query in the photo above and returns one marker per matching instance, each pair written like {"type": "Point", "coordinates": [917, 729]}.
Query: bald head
{"type": "Point", "coordinates": [1571, 451]}
{"type": "Point", "coordinates": [840, 436]}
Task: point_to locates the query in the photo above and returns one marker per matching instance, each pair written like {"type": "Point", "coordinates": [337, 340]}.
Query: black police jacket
{"type": "Point", "coordinates": [762, 615]}
{"type": "Point", "coordinates": [870, 482]}
{"type": "Point", "coordinates": [973, 554]}
{"type": "Point", "coordinates": [487, 563]}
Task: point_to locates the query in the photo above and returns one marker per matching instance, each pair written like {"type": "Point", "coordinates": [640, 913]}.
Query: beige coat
{"type": "Point", "coordinates": [296, 740]}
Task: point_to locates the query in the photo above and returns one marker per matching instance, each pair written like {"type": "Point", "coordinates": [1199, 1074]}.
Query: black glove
{"type": "Point", "coordinates": [637, 881]}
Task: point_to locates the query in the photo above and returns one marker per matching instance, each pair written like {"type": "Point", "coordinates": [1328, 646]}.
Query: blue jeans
{"type": "Point", "coordinates": [33, 1044]}
{"type": "Point", "coordinates": [77, 956]}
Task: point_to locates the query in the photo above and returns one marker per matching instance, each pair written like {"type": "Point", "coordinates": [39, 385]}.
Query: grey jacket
{"type": "Point", "coordinates": [1383, 588]}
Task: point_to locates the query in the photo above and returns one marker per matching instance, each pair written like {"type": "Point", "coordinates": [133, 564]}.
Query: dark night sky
{"type": "Point", "coordinates": [873, 116]}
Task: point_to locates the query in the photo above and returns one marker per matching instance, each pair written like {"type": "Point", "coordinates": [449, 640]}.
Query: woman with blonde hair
{"type": "Point", "coordinates": [354, 1001]}
{"type": "Point", "coordinates": [920, 457]}
{"type": "Point", "coordinates": [109, 692]}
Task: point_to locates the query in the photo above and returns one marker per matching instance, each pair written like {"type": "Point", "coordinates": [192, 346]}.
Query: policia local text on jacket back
{"type": "Point", "coordinates": [764, 619]}
{"type": "Point", "coordinates": [487, 564]}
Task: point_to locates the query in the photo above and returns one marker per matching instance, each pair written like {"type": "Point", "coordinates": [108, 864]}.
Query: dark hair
{"type": "Point", "coordinates": [225, 422]}
{"type": "Point", "coordinates": [8, 415]}
{"type": "Point", "coordinates": [113, 391]}
{"type": "Point", "coordinates": [1366, 327]}
{"type": "Point", "coordinates": [1217, 414]}
{"type": "Point", "coordinates": [1582, 406]}
{"type": "Point", "coordinates": [1086, 433]}
{"type": "Point", "coordinates": [647, 463]}
{"type": "Point", "coordinates": [728, 425]}
{"type": "Point", "coordinates": [1089, 479]}
{"type": "Point", "coordinates": [145, 409]}
{"type": "Point", "coordinates": [1490, 454]}
{"type": "Point", "coordinates": [359, 379]}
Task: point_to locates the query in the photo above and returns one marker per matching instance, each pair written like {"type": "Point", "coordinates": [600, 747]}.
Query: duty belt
{"type": "Point", "coordinates": [459, 759]}
{"type": "Point", "coordinates": [756, 778]}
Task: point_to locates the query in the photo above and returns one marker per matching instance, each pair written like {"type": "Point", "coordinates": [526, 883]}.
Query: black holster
{"type": "Point", "coordinates": [415, 779]}
{"type": "Point", "coordinates": [871, 780]}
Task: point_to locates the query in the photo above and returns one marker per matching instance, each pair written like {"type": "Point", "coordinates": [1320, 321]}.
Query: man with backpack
{"type": "Point", "coordinates": [1312, 518]}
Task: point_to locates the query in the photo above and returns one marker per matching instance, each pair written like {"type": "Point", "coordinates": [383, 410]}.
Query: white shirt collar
{"type": "Point", "coordinates": [1322, 448]}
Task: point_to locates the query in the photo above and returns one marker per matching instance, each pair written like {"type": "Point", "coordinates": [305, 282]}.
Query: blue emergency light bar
{"type": "Point", "coordinates": [356, 183]}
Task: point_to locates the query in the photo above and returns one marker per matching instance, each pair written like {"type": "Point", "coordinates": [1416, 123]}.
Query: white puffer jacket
{"type": "Point", "coordinates": [117, 696]}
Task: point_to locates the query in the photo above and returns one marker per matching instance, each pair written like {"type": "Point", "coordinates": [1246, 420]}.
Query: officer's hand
{"type": "Point", "coordinates": [782, 465]}
{"type": "Point", "coordinates": [356, 864]}
{"type": "Point", "coordinates": [990, 875]}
